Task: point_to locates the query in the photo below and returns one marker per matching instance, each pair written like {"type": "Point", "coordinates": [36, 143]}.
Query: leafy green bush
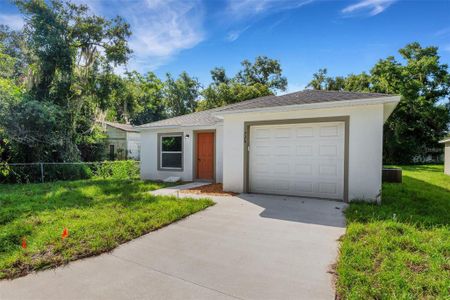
{"type": "Point", "coordinates": [56, 172]}
{"type": "Point", "coordinates": [125, 169]}
{"type": "Point", "coordinates": [21, 174]}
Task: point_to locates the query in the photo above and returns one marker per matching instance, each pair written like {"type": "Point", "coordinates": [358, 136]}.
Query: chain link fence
{"type": "Point", "coordinates": [53, 171]}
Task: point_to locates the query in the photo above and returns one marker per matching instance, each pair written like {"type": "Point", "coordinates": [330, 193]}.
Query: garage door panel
{"type": "Point", "coordinates": [329, 131]}
{"type": "Point", "coordinates": [282, 133]}
{"type": "Point", "coordinates": [283, 150]}
{"type": "Point", "coordinates": [304, 187]}
{"type": "Point", "coordinates": [301, 159]}
{"type": "Point", "coordinates": [282, 169]}
{"type": "Point", "coordinates": [328, 150]}
{"type": "Point", "coordinates": [305, 132]}
{"type": "Point", "coordinates": [262, 134]}
{"type": "Point", "coordinates": [305, 150]}
{"type": "Point", "coordinates": [303, 169]}
{"type": "Point", "coordinates": [263, 150]}
{"type": "Point", "coordinates": [328, 170]}
{"type": "Point", "coordinates": [328, 188]}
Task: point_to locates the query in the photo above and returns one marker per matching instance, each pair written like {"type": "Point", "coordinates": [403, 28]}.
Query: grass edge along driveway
{"type": "Point", "coordinates": [401, 249]}
{"type": "Point", "coordinates": [99, 215]}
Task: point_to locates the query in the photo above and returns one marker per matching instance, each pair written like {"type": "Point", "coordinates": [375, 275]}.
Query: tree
{"type": "Point", "coordinates": [264, 71]}
{"type": "Point", "coordinates": [13, 45]}
{"type": "Point", "coordinates": [219, 76]}
{"type": "Point", "coordinates": [148, 91]}
{"type": "Point", "coordinates": [180, 95]}
{"type": "Point", "coordinates": [319, 80]}
{"type": "Point", "coordinates": [224, 94]}
{"type": "Point", "coordinates": [28, 123]}
{"type": "Point", "coordinates": [357, 83]}
{"type": "Point", "coordinates": [262, 78]}
{"type": "Point", "coordinates": [10, 93]}
{"type": "Point", "coordinates": [67, 49]}
{"type": "Point", "coordinates": [422, 117]}
{"type": "Point", "coordinates": [135, 98]}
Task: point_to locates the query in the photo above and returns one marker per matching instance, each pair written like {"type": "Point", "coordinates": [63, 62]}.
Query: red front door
{"type": "Point", "coordinates": [205, 155]}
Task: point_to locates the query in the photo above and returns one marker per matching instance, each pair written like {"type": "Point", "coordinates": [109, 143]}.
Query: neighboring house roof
{"type": "Point", "coordinates": [120, 126]}
{"type": "Point", "coordinates": [445, 140]}
{"type": "Point", "coordinates": [208, 117]}
{"type": "Point", "coordinates": [201, 118]}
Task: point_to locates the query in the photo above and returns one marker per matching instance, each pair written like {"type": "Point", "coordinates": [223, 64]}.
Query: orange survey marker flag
{"type": "Point", "coordinates": [24, 243]}
{"type": "Point", "coordinates": [65, 233]}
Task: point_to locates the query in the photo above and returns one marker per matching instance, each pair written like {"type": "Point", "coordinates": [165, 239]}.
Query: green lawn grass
{"type": "Point", "coordinates": [99, 214]}
{"type": "Point", "coordinates": [400, 249]}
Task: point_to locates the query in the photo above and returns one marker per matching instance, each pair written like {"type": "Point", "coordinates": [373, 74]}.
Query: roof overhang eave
{"type": "Point", "coordinates": [320, 105]}
{"type": "Point", "coordinates": [178, 126]}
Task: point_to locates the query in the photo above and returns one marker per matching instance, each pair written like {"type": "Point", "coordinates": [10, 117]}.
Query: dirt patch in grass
{"type": "Point", "coordinates": [417, 267]}
{"type": "Point", "coordinates": [214, 189]}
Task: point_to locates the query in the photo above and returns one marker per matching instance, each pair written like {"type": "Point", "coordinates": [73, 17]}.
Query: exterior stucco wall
{"type": "Point", "coordinates": [149, 154]}
{"type": "Point", "coordinates": [133, 145]}
{"type": "Point", "coordinates": [118, 138]}
{"type": "Point", "coordinates": [447, 158]}
{"type": "Point", "coordinates": [126, 143]}
{"type": "Point", "coordinates": [219, 153]}
{"type": "Point", "coordinates": [365, 146]}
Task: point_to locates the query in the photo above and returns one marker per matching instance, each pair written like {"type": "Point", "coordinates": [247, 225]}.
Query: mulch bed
{"type": "Point", "coordinates": [214, 189]}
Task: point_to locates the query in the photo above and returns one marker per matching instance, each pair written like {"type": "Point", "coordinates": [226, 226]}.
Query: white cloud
{"type": "Point", "coordinates": [443, 32]}
{"type": "Point", "coordinates": [161, 29]}
{"type": "Point", "coordinates": [241, 12]}
{"type": "Point", "coordinates": [14, 21]}
{"type": "Point", "coordinates": [248, 8]}
{"type": "Point", "coordinates": [374, 7]}
{"type": "Point", "coordinates": [235, 34]}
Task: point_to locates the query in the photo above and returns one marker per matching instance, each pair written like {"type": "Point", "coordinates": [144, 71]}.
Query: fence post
{"type": "Point", "coordinates": [42, 172]}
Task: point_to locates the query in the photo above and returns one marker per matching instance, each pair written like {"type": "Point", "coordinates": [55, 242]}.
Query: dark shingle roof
{"type": "Point", "coordinates": [303, 97]}
{"type": "Point", "coordinates": [201, 118]}
{"type": "Point", "coordinates": [205, 118]}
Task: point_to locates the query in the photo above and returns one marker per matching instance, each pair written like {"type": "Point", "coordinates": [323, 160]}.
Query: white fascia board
{"type": "Point", "coordinates": [446, 140]}
{"type": "Point", "coordinates": [320, 105]}
{"type": "Point", "coordinates": [197, 127]}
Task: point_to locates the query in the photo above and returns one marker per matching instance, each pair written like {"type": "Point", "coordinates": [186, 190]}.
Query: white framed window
{"type": "Point", "coordinates": [171, 151]}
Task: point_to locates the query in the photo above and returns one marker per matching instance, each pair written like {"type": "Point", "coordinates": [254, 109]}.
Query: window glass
{"type": "Point", "coordinates": [171, 160]}
{"type": "Point", "coordinates": [171, 143]}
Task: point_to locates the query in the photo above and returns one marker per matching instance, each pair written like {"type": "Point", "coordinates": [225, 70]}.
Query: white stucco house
{"type": "Point", "coordinates": [446, 143]}
{"type": "Point", "coordinates": [123, 141]}
{"type": "Point", "coordinates": [321, 144]}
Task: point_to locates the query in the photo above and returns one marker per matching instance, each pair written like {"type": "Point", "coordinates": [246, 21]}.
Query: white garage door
{"type": "Point", "coordinates": [298, 159]}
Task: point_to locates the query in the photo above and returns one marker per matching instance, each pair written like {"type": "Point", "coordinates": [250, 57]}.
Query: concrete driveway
{"type": "Point", "coordinates": [245, 247]}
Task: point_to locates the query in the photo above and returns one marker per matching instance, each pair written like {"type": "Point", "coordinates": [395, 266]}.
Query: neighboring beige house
{"type": "Point", "coordinates": [318, 144]}
{"type": "Point", "coordinates": [123, 141]}
{"type": "Point", "coordinates": [446, 143]}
